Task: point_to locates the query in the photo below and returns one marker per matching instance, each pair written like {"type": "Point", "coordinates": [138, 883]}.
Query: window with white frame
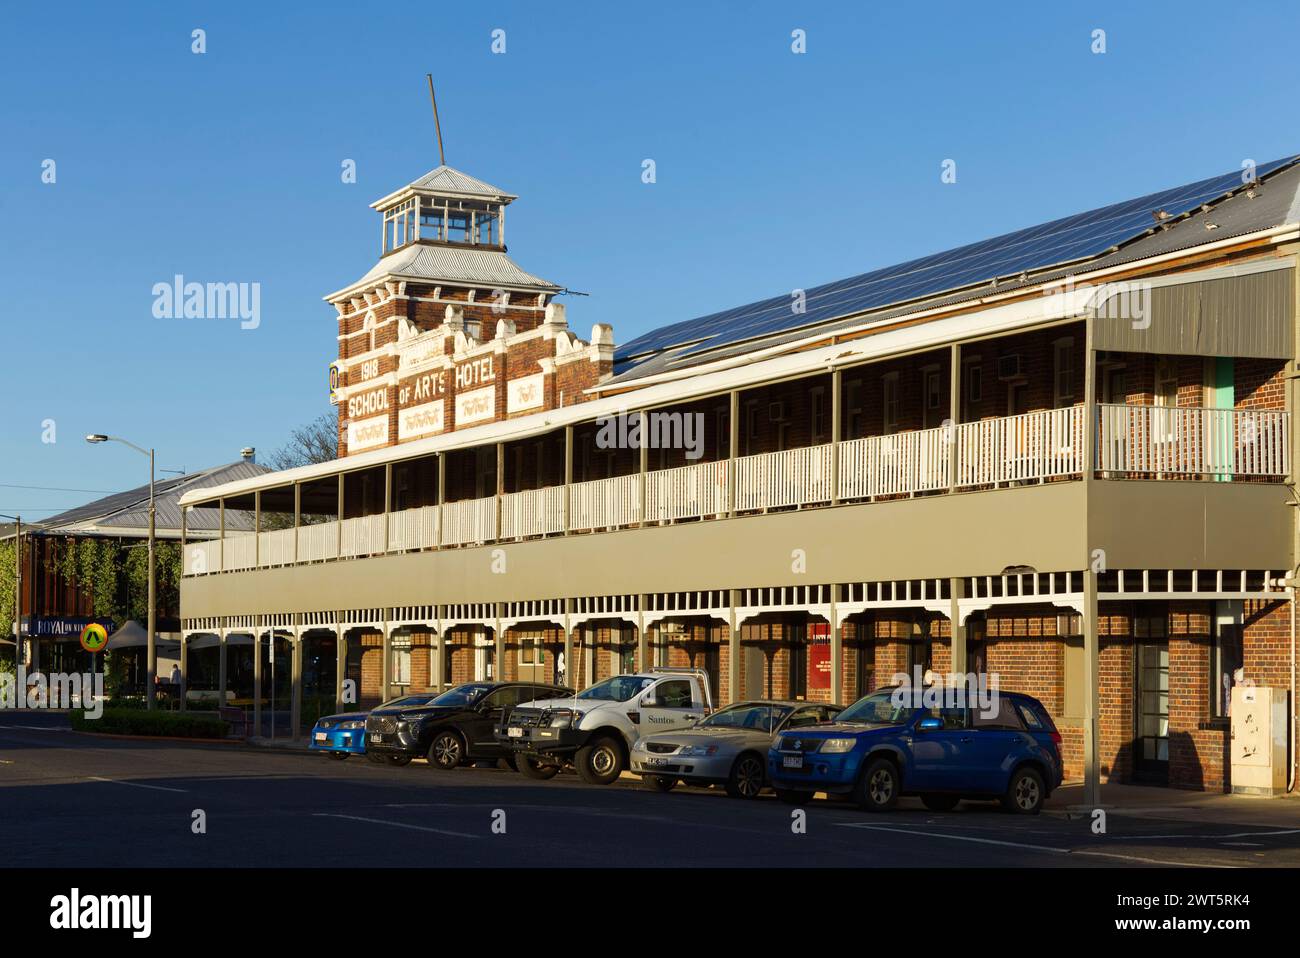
{"type": "Point", "coordinates": [1063, 372]}
{"type": "Point", "coordinates": [401, 674]}
{"type": "Point", "coordinates": [889, 402]}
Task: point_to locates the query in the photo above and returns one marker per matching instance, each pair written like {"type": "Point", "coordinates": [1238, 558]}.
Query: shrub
{"type": "Point", "coordinates": [117, 721]}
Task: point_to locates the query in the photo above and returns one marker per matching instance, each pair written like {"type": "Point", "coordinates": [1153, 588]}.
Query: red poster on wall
{"type": "Point", "coordinates": [819, 657]}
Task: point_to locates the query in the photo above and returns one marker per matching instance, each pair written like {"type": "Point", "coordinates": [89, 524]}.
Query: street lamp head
{"type": "Point", "coordinates": [97, 437]}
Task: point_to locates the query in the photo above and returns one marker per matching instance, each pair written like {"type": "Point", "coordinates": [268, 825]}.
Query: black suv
{"type": "Point", "coordinates": [450, 729]}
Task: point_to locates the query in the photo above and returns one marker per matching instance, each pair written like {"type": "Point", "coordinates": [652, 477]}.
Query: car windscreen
{"type": "Point", "coordinates": [887, 707]}
{"type": "Point", "coordinates": [762, 718]}
{"type": "Point", "coordinates": [462, 695]}
{"type": "Point", "coordinates": [406, 701]}
{"type": "Point", "coordinates": [620, 688]}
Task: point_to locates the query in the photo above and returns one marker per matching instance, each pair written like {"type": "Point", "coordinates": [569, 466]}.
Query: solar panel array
{"type": "Point", "coordinates": [1066, 240]}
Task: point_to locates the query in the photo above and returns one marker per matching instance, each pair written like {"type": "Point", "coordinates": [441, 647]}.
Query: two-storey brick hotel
{"type": "Point", "coordinates": [1062, 456]}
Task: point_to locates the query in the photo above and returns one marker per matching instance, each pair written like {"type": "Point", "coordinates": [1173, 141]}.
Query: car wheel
{"type": "Point", "coordinates": [531, 768]}
{"type": "Point", "coordinates": [338, 756]}
{"type": "Point", "coordinates": [600, 762]}
{"type": "Point", "coordinates": [398, 760]}
{"type": "Point", "coordinates": [510, 763]}
{"type": "Point", "coordinates": [746, 779]}
{"type": "Point", "coordinates": [1025, 793]}
{"type": "Point", "coordinates": [794, 796]}
{"type": "Point", "coordinates": [659, 783]}
{"type": "Point", "coordinates": [878, 786]}
{"type": "Point", "coordinates": [446, 751]}
{"type": "Point", "coordinates": [940, 803]}
{"type": "Point", "coordinates": [375, 757]}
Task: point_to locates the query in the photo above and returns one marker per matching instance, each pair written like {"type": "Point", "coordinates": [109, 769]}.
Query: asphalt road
{"type": "Point", "coordinates": [73, 800]}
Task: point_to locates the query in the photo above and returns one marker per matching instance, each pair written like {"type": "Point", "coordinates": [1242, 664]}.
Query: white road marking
{"type": "Point", "coordinates": [381, 821]}
{"type": "Point", "coordinates": [116, 781]}
{"type": "Point", "coordinates": [1039, 848]}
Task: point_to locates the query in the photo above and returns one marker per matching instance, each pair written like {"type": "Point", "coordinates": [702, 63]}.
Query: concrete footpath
{"type": "Point", "coordinates": [1175, 804]}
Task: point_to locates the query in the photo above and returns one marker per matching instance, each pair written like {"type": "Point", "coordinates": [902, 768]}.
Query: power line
{"type": "Point", "coordinates": [12, 485]}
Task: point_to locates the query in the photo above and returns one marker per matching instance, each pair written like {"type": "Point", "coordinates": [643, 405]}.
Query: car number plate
{"type": "Point", "coordinates": [376, 737]}
{"type": "Point", "coordinates": [515, 732]}
{"type": "Point", "coordinates": [792, 761]}
{"type": "Point", "coordinates": [321, 737]}
{"type": "Point", "coordinates": [656, 761]}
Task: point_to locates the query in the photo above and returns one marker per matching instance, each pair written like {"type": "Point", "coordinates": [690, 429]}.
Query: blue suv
{"type": "Point", "coordinates": [893, 742]}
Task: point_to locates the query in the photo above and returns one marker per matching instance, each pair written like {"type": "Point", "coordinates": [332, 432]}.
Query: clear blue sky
{"type": "Point", "coordinates": [775, 170]}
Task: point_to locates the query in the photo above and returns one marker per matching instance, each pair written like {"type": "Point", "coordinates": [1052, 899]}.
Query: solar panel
{"type": "Point", "coordinates": [1061, 241]}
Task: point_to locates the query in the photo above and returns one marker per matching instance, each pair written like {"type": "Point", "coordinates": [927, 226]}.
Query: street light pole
{"type": "Point", "coordinates": [151, 652]}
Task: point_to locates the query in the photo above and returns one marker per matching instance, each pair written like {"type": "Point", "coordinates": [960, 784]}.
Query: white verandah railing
{"type": "Point", "coordinates": [533, 512]}
{"type": "Point", "coordinates": [1036, 446]}
{"type": "Point", "coordinates": [1182, 440]}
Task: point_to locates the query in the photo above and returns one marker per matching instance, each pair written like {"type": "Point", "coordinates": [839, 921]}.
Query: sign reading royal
{"type": "Point", "coordinates": [422, 420]}
{"type": "Point", "coordinates": [367, 433]}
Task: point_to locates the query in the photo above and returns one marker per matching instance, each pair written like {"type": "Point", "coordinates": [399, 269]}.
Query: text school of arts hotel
{"type": "Point", "coordinates": [1062, 456]}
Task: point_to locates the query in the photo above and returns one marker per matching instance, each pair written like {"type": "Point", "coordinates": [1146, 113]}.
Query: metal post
{"type": "Point", "coordinates": [222, 677]}
{"type": "Point", "coordinates": [641, 662]}
{"type": "Point", "coordinates": [733, 649]}
{"type": "Point", "coordinates": [257, 676]}
{"type": "Point", "coordinates": [1091, 645]}
{"type": "Point", "coordinates": [185, 668]}
{"type": "Point", "coordinates": [386, 665]}
{"type": "Point", "coordinates": [837, 651]}
{"type": "Point", "coordinates": [340, 664]}
{"type": "Point", "coordinates": [18, 597]}
{"type": "Point", "coordinates": [957, 626]}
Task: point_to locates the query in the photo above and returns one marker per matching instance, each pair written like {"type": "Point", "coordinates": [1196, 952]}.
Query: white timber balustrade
{"type": "Point", "coordinates": [534, 512]}
{"type": "Point", "coordinates": [605, 503]}
{"type": "Point", "coordinates": [469, 521]}
{"type": "Point", "coordinates": [203, 557]}
{"type": "Point", "coordinates": [318, 541]}
{"type": "Point", "coordinates": [687, 492]}
{"type": "Point", "coordinates": [363, 535]}
{"type": "Point", "coordinates": [275, 547]}
{"type": "Point", "coordinates": [792, 477]}
{"type": "Point", "coordinates": [240, 551]}
{"type": "Point", "coordinates": [413, 529]}
{"type": "Point", "coordinates": [1032, 445]}
{"type": "Point", "coordinates": [1184, 440]}
{"type": "Point", "coordinates": [899, 464]}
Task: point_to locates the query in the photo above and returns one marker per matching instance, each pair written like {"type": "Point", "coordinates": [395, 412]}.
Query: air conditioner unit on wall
{"type": "Point", "coordinates": [1010, 367]}
{"type": "Point", "coordinates": [776, 412]}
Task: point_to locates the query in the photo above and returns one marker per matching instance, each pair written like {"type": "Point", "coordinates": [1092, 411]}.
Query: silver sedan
{"type": "Point", "coordinates": [729, 748]}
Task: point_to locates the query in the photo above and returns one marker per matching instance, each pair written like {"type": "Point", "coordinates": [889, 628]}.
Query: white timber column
{"type": "Point", "coordinates": [297, 518]}
{"type": "Point", "coordinates": [500, 485]}
{"type": "Point", "coordinates": [733, 448]}
{"type": "Point", "coordinates": [295, 670]}
{"type": "Point", "coordinates": [499, 640]}
{"type": "Point", "coordinates": [641, 662]}
{"type": "Point", "coordinates": [340, 663]}
{"type": "Point", "coordinates": [960, 658]}
{"type": "Point", "coordinates": [644, 463]}
{"type": "Point", "coordinates": [386, 665]}
{"type": "Point", "coordinates": [221, 665]}
{"type": "Point", "coordinates": [1091, 644]}
{"type": "Point", "coordinates": [185, 663]}
{"type": "Point", "coordinates": [568, 474]}
{"type": "Point", "coordinates": [338, 523]}
{"type": "Point", "coordinates": [954, 416]}
{"type": "Point", "coordinates": [257, 674]}
{"type": "Point", "coordinates": [837, 650]}
{"type": "Point", "coordinates": [733, 650]}
{"type": "Point", "coordinates": [388, 500]}
{"type": "Point", "coordinates": [837, 384]}
{"type": "Point", "coordinates": [257, 528]}
{"type": "Point", "coordinates": [569, 670]}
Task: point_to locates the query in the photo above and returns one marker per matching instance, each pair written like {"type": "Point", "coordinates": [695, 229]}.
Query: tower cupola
{"type": "Point", "coordinates": [445, 207]}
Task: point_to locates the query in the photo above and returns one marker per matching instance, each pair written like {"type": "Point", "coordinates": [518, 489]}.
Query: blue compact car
{"type": "Point", "coordinates": [340, 735]}
{"type": "Point", "coordinates": [894, 742]}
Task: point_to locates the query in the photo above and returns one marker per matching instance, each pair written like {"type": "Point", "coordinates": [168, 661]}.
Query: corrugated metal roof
{"type": "Point", "coordinates": [128, 510]}
{"type": "Point", "coordinates": [444, 179]}
{"type": "Point", "coordinates": [451, 264]}
{"type": "Point", "coordinates": [1276, 202]}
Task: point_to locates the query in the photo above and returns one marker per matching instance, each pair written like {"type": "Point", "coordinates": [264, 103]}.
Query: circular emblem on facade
{"type": "Point", "coordinates": [94, 637]}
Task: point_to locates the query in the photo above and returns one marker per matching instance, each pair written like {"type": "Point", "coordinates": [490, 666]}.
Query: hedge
{"type": "Point", "coordinates": [129, 721]}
